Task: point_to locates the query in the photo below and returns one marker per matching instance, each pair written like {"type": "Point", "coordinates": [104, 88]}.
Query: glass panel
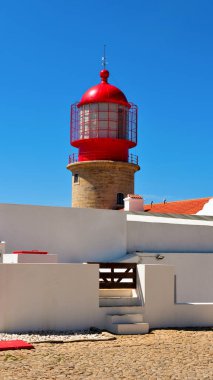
{"type": "Point", "coordinates": [103, 124]}
{"type": "Point", "coordinates": [93, 115]}
{"type": "Point", "coordinates": [103, 128]}
{"type": "Point", "coordinates": [103, 106]}
{"type": "Point", "coordinates": [113, 107]}
{"type": "Point", "coordinates": [93, 107]}
{"type": "Point", "coordinates": [113, 134]}
{"type": "Point", "coordinates": [103, 115]}
{"type": "Point", "coordinates": [113, 116]}
{"type": "Point", "coordinates": [113, 125]}
{"type": "Point", "coordinates": [122, 122]}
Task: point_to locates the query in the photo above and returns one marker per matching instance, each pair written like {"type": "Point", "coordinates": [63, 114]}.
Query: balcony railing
{"type": "Point", "coordinates": [74, 157]}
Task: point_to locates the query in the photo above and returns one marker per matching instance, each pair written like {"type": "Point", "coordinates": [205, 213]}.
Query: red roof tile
{"type": "Point", "coordinates": [134, 196]}
{"type": "Point", "coordinates": [190, 206]}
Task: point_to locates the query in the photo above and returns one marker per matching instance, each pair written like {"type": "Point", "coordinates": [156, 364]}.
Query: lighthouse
{"type": "Point", "coordinates": [103, 127]}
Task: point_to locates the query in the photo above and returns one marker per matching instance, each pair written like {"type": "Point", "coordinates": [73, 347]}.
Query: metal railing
{"type": "Point", "coordinates": [74, 157]}
{"type": "Point", "coordinates": [133, 159]}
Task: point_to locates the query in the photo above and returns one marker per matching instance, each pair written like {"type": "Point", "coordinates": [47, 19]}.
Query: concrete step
{"type": "Point", "coordinates": [124, 318]}
{"type": "Point", "coordinates": [129, 328]}
{"type": "Point", "coordinates": [112, 310]}
{"type": "Point", "coordinates": [117, 293]}
{"type": "Point", "coordinates": [119, 301]}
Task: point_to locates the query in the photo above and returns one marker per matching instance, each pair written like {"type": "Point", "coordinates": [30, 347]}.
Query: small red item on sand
{"type": "Point", "coordinates": [33, 252]}
{"type": "Point", "coordinates": [14, 345]}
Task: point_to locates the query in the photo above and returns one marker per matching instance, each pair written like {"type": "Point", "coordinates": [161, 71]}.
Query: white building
{"type": "Point", "coordinates": [174, 259]}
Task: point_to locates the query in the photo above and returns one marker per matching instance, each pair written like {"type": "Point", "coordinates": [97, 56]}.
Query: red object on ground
{"type": "Point", "coordinates": [33, 252]}
{"type": "Point", "coordinates": [14, 345]}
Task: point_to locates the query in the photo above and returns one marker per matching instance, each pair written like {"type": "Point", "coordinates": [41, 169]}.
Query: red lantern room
{"type": "Point", "coordinates": [103, 128]}
{"type": "Point", "coordinates": [103, 124]}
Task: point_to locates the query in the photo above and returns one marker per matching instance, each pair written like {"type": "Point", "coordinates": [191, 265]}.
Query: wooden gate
{"type": "Point", "coordinates": [117, 275]}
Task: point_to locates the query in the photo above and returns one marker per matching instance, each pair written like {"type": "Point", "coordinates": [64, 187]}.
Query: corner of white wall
{"type": "Point", "coordinates": [157, 287]}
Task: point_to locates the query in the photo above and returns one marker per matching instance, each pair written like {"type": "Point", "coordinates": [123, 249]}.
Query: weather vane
{"type": "Point", "coordinates": [103, 59]}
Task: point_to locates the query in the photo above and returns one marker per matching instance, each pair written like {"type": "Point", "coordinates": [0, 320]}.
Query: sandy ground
{"type": "Point", "coordinates": [162, 354]}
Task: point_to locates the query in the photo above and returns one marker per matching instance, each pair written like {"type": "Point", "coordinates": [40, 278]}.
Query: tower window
{"type": "Point", "coordinates": [120, 199]}
{"type": "Point", "coordinates": [76, 178]}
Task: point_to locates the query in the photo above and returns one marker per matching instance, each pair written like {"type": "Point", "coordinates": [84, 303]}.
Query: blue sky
{"type": "Point", "coordinates": [160, 53]}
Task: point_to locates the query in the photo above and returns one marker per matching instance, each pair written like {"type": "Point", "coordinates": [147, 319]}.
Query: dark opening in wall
{"type": "Point", "coordinates": [120, 199]}
{"type": "Point", "coordinates": [76, 178]}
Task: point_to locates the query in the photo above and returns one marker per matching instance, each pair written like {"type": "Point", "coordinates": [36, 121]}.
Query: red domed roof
{"type": "Point", "coordinates": [104, 93]}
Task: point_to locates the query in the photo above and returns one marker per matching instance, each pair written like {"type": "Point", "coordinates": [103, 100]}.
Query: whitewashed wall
{"type": "Point", "coordinates": [48, 297]}
{"type": "Point", "coordinates": [76, 235]}
{"type": "Point", "coordinates": [194, 279]}
{"type": "Point", "coordinates": [37, 297]}
{"type": "Point", "coordinates": [158, 234]}
{"type": "Point", "coordinates": [183, 243]}
{"type": "Point", "coordinates": [9, 258]}
{"type": "Point", "coordinates": [157, 289]}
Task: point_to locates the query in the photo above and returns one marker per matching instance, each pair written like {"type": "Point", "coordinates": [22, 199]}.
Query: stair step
{"type": "Point", "coordinates": [125, 318]}
{"type": "Point", "coordinates": [119, 301]}
{"type": "Point", "coordinates": [117, 292]}
{"type": "Point", "coordinates": [129, 328]}
{"type": "Point", "coordinates": [122, 310]}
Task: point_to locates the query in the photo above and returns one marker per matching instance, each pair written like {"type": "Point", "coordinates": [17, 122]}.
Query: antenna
{"type": "Point", "coordinates": [103, 59]}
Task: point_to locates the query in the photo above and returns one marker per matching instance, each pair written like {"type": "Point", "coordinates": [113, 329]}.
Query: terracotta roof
{"type": "Point", "coordinates": [190, 206]}
{"type": "Point", "coordinates": [134, 196]}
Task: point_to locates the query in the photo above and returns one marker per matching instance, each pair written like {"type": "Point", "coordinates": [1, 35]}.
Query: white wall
{"type": "Point", "coordinates": [48, 297]}
{"type": "Point", "coordinates": [194, 279]}
{"type": "Point", "coordinates": [76, 235]}
{"type": "Point", "coordinates": [183, 243]}
{"type": "Point", "coordinates": [158, 294]}
{"type": "Point", "coordinates": [158, 234]}
{"type": "Point", "coordinates": [37, 297]}
{"type": "Point", "coordinates": [14, 258]}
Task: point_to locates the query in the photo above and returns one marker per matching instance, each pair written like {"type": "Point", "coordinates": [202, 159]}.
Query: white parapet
{"type": "Point", "coordinates": [14, 258]}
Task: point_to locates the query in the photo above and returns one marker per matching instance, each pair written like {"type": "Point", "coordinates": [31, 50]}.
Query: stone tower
{"type": "Point", "coordinates": [103, 128]}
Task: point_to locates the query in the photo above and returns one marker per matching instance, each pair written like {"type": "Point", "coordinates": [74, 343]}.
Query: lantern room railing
{"type": "Point", "coordinates": [74, 157]}
{"type": "Point", "coordinates": [103, 120]}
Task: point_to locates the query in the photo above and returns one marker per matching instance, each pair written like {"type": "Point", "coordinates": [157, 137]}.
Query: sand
{"type": "Point", "coordinates": [162, 354]}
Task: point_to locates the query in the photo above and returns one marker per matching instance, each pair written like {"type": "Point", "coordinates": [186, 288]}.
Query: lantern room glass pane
{"type": "Point", "coordinates": [103, 106]}
{"type": "Point", "coordinates": [104, 120]}
{"type": "Point", "coordinates": [103, 115]}
{"type": "Point", "coordinates": [85, 119]}
{"type": "Point", "coordinates": [113, 107]}
{"type": "Point", "coordinates": [113, 116]}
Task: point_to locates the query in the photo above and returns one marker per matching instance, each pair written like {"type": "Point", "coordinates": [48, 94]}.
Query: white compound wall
{"type": "Point", "coordinates": [74, 234]}
{"type": "Point", "coordinates": [164, 234]}
{"type": "Point", "coordinates": [49, 297]}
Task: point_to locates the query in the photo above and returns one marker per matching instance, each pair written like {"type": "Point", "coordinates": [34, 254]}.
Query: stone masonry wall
{"type": "Point", "coordinates": [100, 181]}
